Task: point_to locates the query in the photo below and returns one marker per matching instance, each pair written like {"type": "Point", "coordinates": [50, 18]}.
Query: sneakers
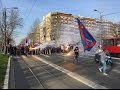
{"type": "Point", "coordinates": [105, 74]}
{"type": "Point", "coordinates": [100, 70]}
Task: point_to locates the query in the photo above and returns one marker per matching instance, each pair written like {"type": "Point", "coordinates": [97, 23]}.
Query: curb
{"type": "Point", "coordinates": [6, 80]}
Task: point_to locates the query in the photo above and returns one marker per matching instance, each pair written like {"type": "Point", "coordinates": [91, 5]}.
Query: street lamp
{"type": "Point", "coordinates": [101, 17]}
{"type": "Point", "coordinates": [100, 25]}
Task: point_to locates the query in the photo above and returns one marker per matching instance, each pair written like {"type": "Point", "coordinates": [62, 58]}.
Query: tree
{"type": "Point", "coordinates": [33, 32]}
{"type": "Point", "coordinates": [14, 21]}
{"type": "Point", "coordinates": [9, 23]}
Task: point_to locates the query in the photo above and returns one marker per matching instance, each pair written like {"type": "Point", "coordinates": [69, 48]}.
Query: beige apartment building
{"type": "Point", "coordinates": [63, 28]}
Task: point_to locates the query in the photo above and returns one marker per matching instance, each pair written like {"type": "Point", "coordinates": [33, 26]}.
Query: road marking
{"type": "Point", "coordinates": [91, 57]}
{"type": "Point", "coordinates": [45, 55]}
{"type": "Point", "coordinates": [17, 57]}
{"type": "Point", "coordinates": [6, 80]}
{"type": "Point", "coordinates": [116, 71]}
{"type": "Point", "coordinates": [116, 62]}
{"type": "Point", "coordinates": [115, 58]}
{"type": "Point", "coordinates": [73, 75]}
{"type": "Point", "coordinates": [25, 58]}
{"type": "Point", "coordinates": [81, 56]}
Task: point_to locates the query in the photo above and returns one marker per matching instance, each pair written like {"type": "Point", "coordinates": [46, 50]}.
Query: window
{"type": "Point", "coordinates": [109, 42]}
{"type": "Point", "coordinates": [118, 42]}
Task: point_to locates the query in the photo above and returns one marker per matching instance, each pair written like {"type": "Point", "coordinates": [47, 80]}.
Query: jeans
{"type": "Point", "coordinates": [104, 66]}
{"type": "Point", "coordinates": [76, 57]}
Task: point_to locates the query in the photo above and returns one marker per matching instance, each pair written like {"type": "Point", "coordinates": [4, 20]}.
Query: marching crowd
{"type": "Point", "coordinates": [28, 50]}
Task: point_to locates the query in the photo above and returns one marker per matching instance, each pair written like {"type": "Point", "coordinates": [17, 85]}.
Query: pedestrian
{"type": "Point", "coordinates": [11, 50]}
{"type": "Point", "coordinates": [103, 57]}
{"type": "Point", "coordinates": [97, 55]}
{"type": "Point", "coordinates": [22, 50]}
{"type": "Point", "coordinates": [76, 52]}
{"type": "Point", "coordinates": [99, 49]}
{"type": "Point", "coordinates": [15, 49]}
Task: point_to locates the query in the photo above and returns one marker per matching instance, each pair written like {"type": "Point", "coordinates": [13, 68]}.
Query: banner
{"type": "Point", "coordinates": [87, 39]}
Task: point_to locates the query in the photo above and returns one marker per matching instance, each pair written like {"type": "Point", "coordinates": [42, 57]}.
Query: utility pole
{"type": "Point", "coordinates": [4, 28]}
{"type": "Point", "coordinates": [101, 21]}
{"type": "Point", "coordinates": [100, 26]}
{"type": "Point", "coordinates": [58, 26]}
{"type": "Point", "coordinates": [39, 35]}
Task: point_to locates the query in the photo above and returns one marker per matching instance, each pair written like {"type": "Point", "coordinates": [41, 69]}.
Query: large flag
{"type": "Point", "coordinates": [87, 39]}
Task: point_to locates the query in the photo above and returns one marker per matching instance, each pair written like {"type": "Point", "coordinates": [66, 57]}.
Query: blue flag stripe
{"type": "Point", "coordinates": [87, 39]}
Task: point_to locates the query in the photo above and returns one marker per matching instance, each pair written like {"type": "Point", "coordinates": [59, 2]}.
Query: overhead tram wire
{"type": "Point", "coordinates": [30, 9]}
{"type": "Point", "coordinates": [29, 12]}
{"type": "Point", "coordinates": [1, 6]}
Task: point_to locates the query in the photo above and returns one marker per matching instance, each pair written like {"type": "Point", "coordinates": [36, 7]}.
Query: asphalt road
{"type": "Point", "coordinates": [87, 68]}
{"type": "Point", "coordinates": [44, 76]}
{"type": "Point", "coordinates": [49, 77]}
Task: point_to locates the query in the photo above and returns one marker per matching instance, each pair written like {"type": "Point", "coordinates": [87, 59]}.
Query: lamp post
{"type": "Point", "coordinates": [100, 25]}
{"type": "Point", "coordinates": [101, 18]}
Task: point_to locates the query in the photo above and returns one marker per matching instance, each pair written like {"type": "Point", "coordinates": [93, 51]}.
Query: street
{"type": "Point", "coordinates": [46, 46]}
{"type": "Point", "coordinates": [28, 72]}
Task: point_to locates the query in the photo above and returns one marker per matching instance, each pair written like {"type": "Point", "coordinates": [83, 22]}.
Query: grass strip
{"type": "Point", "coordinates": [3, 67]}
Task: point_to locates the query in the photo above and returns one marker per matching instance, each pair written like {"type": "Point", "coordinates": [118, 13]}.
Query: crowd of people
{"type": "Point", "coordinates": [17, 50]}
{"type": "Point", "coordinates": [29, 50]}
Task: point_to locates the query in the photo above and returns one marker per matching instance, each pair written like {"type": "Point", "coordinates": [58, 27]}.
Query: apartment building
{"type": "Point", "coordinates": [63, 28]}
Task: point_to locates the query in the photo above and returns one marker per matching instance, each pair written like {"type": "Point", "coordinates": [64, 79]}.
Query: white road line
{"type": "Point", "coordinates": [79, 57]}
{"type": "Point", "coordinates": [24, 57]}
{"type": "Point", "coordinates": [45, 55]}
{"type": "Point", "coordinates": [116, 62]}
{"type": "Point", "coordinates": [86, 57]}
{"type": "Point", "coordinates": [93, 56]}
{"type": "Point", "coordinates": [115, 58]}
{"type": "Point", "coordinates": [116, 71]}
{"type": "Point", "coordinates": [73, 75]}
{"type": "Point", "coordinates": [6, 80]}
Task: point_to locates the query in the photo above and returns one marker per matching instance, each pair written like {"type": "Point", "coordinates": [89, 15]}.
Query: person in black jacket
{"type": "Point", "coordinates": [76, 52]}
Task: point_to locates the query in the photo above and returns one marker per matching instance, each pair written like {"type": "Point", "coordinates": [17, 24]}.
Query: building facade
{"type": "Point", "coordinates": [63, 29]}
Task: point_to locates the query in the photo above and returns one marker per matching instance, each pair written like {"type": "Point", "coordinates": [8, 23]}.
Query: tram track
{"type": "Point", "coordinates": [50, 75]}
{"type": "Point", "coordinates": [48, 70]}
{"type": "Point", "coordinates": [43, 67]}
{"type": "Point", "coordinates": [34, 75]}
